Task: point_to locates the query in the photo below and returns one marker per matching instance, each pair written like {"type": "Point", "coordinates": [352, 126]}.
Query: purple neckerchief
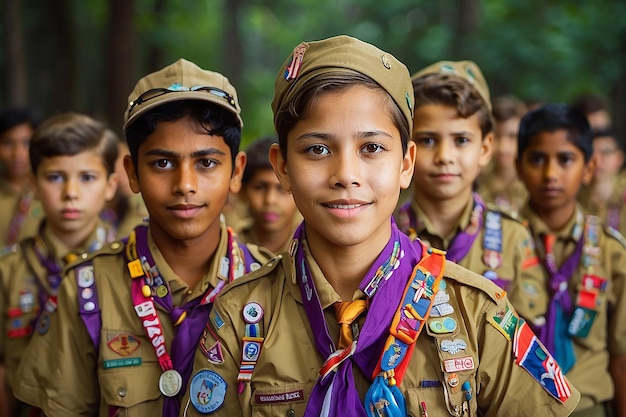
{"type": "Point", "coordinates": [187, 334]}
{"type": "Point", "coordinates": [559, 296]}
{"type": "Point", "coordinates": [383, 306]}
{"type": "Point", "coordinates": [462, 242]}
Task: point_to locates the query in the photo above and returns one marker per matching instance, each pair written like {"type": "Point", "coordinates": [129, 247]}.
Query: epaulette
{"type": "Point", "coordinates": [509, 214]}
{"type": "Point", "coordinates": [615, 234]}
{"type": "Point", "coordinates": [113, 248]}
{"type": "Point", "coordinates": [14, 248]}
{"type": "Point", "coordinates": [265, 269]}
{"type": "Point", "coordinates": [466, 277]}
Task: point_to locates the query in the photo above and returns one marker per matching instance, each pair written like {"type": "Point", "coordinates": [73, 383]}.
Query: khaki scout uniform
{"type": "Point", "coordinates": [510, 198]}
{"type": "Point", "coordinates": [66, 375]}
{"type": "Point", "coordinates": [22, 280]}
{"type": "Point", "coordinates": [518, 260]}
{"type": "Point", "coordinates": [9, 202]}
{"type": "Point", "coordinates": [287, 368]}
{"type": "Point", "coordinates": [607, 335]}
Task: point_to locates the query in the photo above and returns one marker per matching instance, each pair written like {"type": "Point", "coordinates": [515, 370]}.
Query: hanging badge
{"type": "Point", "coordinates": [581, 322]}
{"type": "Point", "coordinates": [252, 313]}
{"type": "Point", "coordinates": [170, 383]}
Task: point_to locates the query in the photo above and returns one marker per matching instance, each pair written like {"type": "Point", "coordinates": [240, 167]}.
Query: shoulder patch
{"type": "Point", "coordinates": [464, 276]}
{"type": "Point", "coordinates": [616, 235]}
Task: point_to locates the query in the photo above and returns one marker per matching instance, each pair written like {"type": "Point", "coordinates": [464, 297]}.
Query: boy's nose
{"type": "Point", "coordinates": [187, 180]}
{"type": "Point", "coordinates": [345, 172]}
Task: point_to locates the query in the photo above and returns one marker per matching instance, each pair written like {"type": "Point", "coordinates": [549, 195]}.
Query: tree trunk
{"type": "Point", "coordinates": [16, 82]}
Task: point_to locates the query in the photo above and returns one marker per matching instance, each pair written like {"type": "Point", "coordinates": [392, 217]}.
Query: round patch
{"type": "Point", "coordinates": [207, 391]}
{"type": "Point", "coordinates": [87, 293]}
{"type": "Point", "coordinates": [89, 306]}
{"type": "Point", "coordinates": [252, 313]}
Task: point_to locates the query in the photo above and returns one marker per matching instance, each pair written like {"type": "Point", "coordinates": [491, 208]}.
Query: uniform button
{"type": "Point", "coordinates": [291, 413]}
{"type": "Point", "coordinates": [115, 245]}
{"type": "Point", "coordinates": [84, 255]}
{"type": "Point", "coordinates": [121, 392]}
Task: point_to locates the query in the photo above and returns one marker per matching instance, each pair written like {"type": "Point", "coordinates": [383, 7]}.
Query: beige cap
{"type": "Point", "coordinates": [468, 70]}
{"type": "Point", "coordinates": [182, 80]}
{"type": "Point", "coordinates": [310, 59]}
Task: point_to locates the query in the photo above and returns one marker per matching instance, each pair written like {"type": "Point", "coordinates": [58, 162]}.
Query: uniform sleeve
{"type": "Point", "coordinates": [213, 387]}
{"type": "Point", "coordinates": [516, 374]}
{"type": "Point", "coordinates": [58, 372]}
{"type": "Point", "coordinates": [617, 304]}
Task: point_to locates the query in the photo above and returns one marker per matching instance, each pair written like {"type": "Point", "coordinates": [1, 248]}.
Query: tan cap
{"type": "Point", "coordinates": [467, 70]}
{"type": "Point", "coordinates": [310, 59]}
{"type": "Point", "coordinates": [182, 80]}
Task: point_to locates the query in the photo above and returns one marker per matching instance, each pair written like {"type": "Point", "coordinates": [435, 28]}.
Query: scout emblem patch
{"type": "Point", "coordinates": [535, 359]}
{"type": "Point", "coordinates": [207, 391]}
{"type": "Point", "coordinates": [293, 68]}
{"type": "Point", "coordinates": [124, 344]}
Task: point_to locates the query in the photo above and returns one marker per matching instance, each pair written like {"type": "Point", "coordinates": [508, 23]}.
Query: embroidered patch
{"type": "Point", "coordinates": [453, 346]}
{"type": "Point", "coordinates": [121, 363]}
{"type": "Point", "coordinates": [531, 289]}
{"type": "Point", "coordinates": [214, 354]}
{"type": "Point", "coordinates": [207, 391]}
{"type": "Point", "coordinates": [281, 397]}
{"type": "Point", "coordinates": [85, 277]}
{"type": "Point", "coordinates": [464, 363]}
{"type": "Point", "coordinates": [529, 255]}
{"type": "Point", "coordinates": [447, 325]}
{"type": "Point", "coordinates": [123, 344]}
{"type": "Point", "coordinates": [293, 67]}
{"type": "Point", "coordinates": [531, 355]}
{"type": "Point", "coordinates": [218, 323]}
{"type": "Point", "coordinates": [505, 321]}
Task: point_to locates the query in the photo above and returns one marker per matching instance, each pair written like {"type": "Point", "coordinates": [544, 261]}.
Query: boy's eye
{"type": "Point", "coordinates": [54, 177]}
{"type": "Point", "coordinates": [207, 163]}
{"type": "Point", "coordinates": [566, 159]}
{"type": "Point", "coordinates": [373, 148]}
{"type": "Point", "coordinates": [88, 177]}
{"type": "Point", "coordinates": [425, 141]}
{"type": "Point", "coordinates": [317, 150]}
{"type": "Point", "coordinates": [462, 140]}
{"type": "Point", "coordinates": [162, 163]}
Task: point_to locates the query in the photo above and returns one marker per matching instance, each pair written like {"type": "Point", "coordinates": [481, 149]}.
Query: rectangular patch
{"type": "Point", "coordinates": [536, 360]}
{"type": "Point", "coordinates": [217, 320]}
{"type": "Point", "coordinates": [120, 363]}
{"type": "Point", "coordinates": [282, 397]}
{"type": "Point", "coordinates": [464, 363]}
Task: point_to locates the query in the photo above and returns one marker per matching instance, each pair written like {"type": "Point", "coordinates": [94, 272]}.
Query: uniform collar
{"type": "Point", "coordinates": [571, 231]}
{"type": "Point", "coordinates": [424, 225]}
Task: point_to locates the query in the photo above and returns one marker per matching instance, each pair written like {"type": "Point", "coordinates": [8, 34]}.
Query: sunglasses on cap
{"type": "Point", "coordinates": [177, 88]}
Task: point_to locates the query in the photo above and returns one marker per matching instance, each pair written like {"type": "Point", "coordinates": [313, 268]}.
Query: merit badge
{"type": "Point", "coordinates": [43, 324]}
{"type": "Point", "coordinates": [214, 354]}
{"type": "Point", "coordinates": [453, 346]}
{"type": "Point", "coordinates": [505, 321]}
{"type": "Point", "coordinates": [85, 277]}
{"type": "Point", "coordinates": [124, 344]}
{"type": "Point", "coordinates": [86, 293]}
{"type": "Point", "coordinates": [464, 363]}
{"type": "Point", "coordinates": [27, 301]}
{"type": "Point", "coordinates": [252, 313]}
{"type": "Point", "coordinates": [581, 322]}
{"type": "Point", "coordinates": [293, 68]}
{"type": "Point", "coordinates": [170, 383]}
{"type": "Point", "coordinates": [447, 325]}
{"type": "Point", "coordinates": [251, 350]}
{"type": "Point", "coordinates": [207, 391]}
{"type": "Point", "coordinates": [492, 259]}
{"type": "Point", "coordinates": [453, 380]}
{"type": "Point", "coordinates": [443, 309]}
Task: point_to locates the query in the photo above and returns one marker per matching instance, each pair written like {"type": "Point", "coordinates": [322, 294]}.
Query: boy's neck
{"type": "Point", "coordinates": [189, 259]}
{"type": "Point", "coordinates": [344, 267]}
{"type": "Point", "coordinates": [274, 241]}
{"type": "Point", "coordinates": [74, 241]}
{"type": "Point", "coordinates": [557, 219]}
{"type": "Point", "coordinates": [602, 190]}
{"type": "Point", "coordinates": [505, 174]}
{"type": "Point", "coordinates": [444, 215]}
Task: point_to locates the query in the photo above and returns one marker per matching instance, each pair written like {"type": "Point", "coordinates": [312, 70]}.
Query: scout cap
{"type": "Point", "coordinates": [310, 59]}
{"type": "Point", "coordinates": [468, 70]}
{"type": "Point", "coordinates": [182, 80]}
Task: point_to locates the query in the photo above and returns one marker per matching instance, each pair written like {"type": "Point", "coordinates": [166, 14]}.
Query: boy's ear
{"type": "Point", "coordinates": [280, 167]}
{"type": "Point", "coordinates": [111, 187]}
{"type": "Point", "coordinates": [238, 168]}
{"type": "Point", "coordinates": [408, 165]}
{"type": "Point", "coordinates": [133, 181]}
{"type": "Point", "coordinates": [486, 150]}
{"type": "Point", "coordinates": [588, 171]}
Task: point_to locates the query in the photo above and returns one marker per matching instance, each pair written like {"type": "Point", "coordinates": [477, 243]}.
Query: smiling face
{"type": "Point", "coordinates": [450, 153]}
{"type": "Point", "coordinates": [184, 176]}
{"type": "Point", "coordinates": [73, 191]}
{"type": "Point", "coordinates": [553, 169]}
{"type": "Point", "coordinates": [345, 168]}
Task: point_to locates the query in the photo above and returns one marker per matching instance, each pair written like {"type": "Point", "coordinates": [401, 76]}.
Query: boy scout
{"type": "Point", "coordinates": [579, 311]}
{"type": "Point", "coordinates": [499, 183]}
{"type": "Point", "coordinates": [73, 158]}
{"type": "Point", "coordinates": [452, 129]}
{"type": "Point", "coordinates": [21, 212]}
{"type": "Point", "coordinates": [273, 215]}
{"type": "Point", "coordinates": [130, 316]}
{"type": "Point", "coordinates": [433, 339]}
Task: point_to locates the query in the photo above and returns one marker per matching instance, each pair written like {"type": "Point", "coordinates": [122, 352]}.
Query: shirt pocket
{"type": "Point", "coordinates": [286, 400]}
{"type": "Point", "coordinates": [128, 373]}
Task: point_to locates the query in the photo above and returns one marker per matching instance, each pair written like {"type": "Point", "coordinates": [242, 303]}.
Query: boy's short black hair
{"type": "Point", "coordinates": [15, 117]}
{"type": "Point", "coordinates": [69, 134]}
{"type": "Point", "coordinates": [552, 117]}
{"type": "Point", "coordinates": [212, 120]}
{"type": "Point", "coordinates": [610, 133]}
{"type": "Point", "coordinates": [258, 157]}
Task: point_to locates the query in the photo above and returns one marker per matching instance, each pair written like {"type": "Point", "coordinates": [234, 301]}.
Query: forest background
{"type": "Point", "coordinates": [86, 55]}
